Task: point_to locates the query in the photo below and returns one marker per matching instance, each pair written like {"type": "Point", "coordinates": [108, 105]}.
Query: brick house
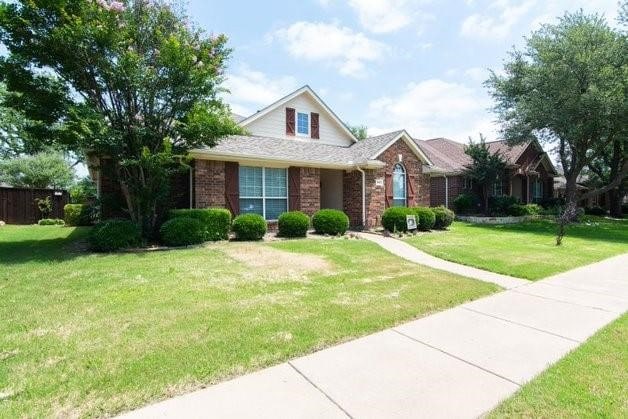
{"type": "Point", "coordinates": [529, 174]}
{"type": "Point", "coordinates": [298, 155]}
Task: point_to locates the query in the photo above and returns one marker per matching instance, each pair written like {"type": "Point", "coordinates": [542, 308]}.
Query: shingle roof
{"type": "Point", "coordinates": [449, 156]}
{"type": "Point", "coordinates": [367, 148]}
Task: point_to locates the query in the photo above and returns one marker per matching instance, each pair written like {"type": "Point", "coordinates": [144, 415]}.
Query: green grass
{"type": "Point", "coordinates": [526, 250]}
{"type": "Point", "coordinates": [93, 335]}
{"type": "Point", "coordinates": [591, 382]}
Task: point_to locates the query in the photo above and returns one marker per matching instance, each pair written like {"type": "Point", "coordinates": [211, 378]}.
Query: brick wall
{"type": "Point", "coordinates": [352, 197]}
{"type": "Point", "coordinates": [209, 184]}
{"type": "Point", "coordinates": [310, 190]}
{"type": "Point", "coordinates": [437, 189]}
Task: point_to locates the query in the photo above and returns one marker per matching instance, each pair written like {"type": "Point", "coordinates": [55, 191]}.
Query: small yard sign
{"type": "Point", "coordinates": [411, 222]}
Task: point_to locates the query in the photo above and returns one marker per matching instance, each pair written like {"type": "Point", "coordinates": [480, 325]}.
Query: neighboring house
{"type": "Point", "coordinates": [298, 155]}
{"type": "Point", "coordinates": [528, 176]}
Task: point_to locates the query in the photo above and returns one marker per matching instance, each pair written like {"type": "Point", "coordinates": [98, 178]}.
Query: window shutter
{"type": "Point", "coordinates": [290, 124]}
{"type": "Point", "coordinates": [389, 189]}
{"type": "Point", "coordinates": [411, 192]}
{"type": "Point", "coordinates": [294, 188]}
{"type": "Point", "coordinates": [232, 187]}
{"type": "Point", "coordinates": [314, 127]}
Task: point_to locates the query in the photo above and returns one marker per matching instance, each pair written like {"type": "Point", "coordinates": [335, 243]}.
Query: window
{"type": "Point", "coordinates": [537, 190]}
{"type": "Point", "coordinates": [263, 191]}
{"type": "Point", "coordinates": [497, 187]}
{"type": "Point", "coordinates": [399, 186]}
{"type": "Point", "coordinates": [468, 183]}
{"type": "Point", "coordinates": [303, 123]}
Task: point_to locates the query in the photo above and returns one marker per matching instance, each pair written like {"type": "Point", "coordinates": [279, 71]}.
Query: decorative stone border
{"type": "Point", "coordinates": [495, 220]}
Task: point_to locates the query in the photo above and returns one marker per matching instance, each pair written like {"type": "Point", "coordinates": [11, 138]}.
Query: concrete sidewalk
{"type": "Point", "coordinates": [411, 253]}
{"type": "Point", "coordinates": [458, 363]}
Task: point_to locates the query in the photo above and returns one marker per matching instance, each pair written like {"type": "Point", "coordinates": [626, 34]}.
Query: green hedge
{"type": "Point", "coordinates": [51, 222]}
{"type": "Point", "coordinates": [249, 227]}
{"type": "Point", "coordinates": [293, 224]}
{"type": "Point", "coordinates": [182, 231]}
{"type": "Point", "coordinates": [520, 210]}
{"type": "Point", "coordinates": [216, 222]}
{"type": "Point", "coordinates": [115, 234]}
{"type": "Point", "coordinates": [330, 221]}
{"type": "Point", "coordinates": [466, 203]}
{"type": "Point", "coordinates": [425, 218]}
{"type": "Point", "coordinates": [443, 217]}
{"type": "Point", "coordinates": [77, 215]}
{"type": "Point", "coordinates": [394, 218]}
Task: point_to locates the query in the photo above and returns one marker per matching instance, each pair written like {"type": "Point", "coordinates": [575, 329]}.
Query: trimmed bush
{"type": "Point", "coordinates": [533, 209]}
{"type": "Point", "coordinates": [293, 224]}
{"type": "Point", "coordinates": [77, 215]}
{"type": "Point", "coordinates": [249, 227]}
{"type": "Point", "coordinates": [330, 221]}
{"type": "Point", "coordinates": [394, 218]}
{"type": "Point", "coordinates": [425, 218]}
{"type": "Point", "coordinates": [443, 217]}
{"type": "Point", "coordinates": [182, 231]}
{"type": "Point", "coordinates": [465, 203]}
{"type": "Point", "coordinates": [499, 205]}
{"type": "Point", "coordinates": [216, 222]}
{"type": "Point", "coordinates": [51, 222]}
{"type": "Point", "coordinates": [114, 234]}
{"type": "Point", "coordinates": [517, 210]}
{"type": "Point", "coordinates": [595, 210]}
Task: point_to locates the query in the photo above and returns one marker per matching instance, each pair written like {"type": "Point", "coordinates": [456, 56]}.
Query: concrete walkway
{"type": "Point", "coordinates": [411, 253]}
{"type": "Point", "coordinates": [458, 363]}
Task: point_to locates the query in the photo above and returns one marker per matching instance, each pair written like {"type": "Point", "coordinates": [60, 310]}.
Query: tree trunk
{"type": "Point", "coordinates": [570, 212]}
{"type": "Point", "coordinates": [615, 197]}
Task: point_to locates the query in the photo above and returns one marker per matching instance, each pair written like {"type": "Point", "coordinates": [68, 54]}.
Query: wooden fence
{"type": "Point", "coordinates": [18, 206]}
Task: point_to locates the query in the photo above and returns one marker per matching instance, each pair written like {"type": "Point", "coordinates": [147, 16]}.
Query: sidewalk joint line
{"type": "Point", "coordinates": [320, 390]}
{"type": "Point", "coordinates": [563, 301]}
{"type": "Point", "coordinates": [522, 325]}
{"type": "Point", "coordinates": [458, 358]}
{"type": "Point", "coordinates": [544, 282]}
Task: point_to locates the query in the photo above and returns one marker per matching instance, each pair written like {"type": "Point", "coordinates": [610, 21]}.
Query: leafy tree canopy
{"type": "Point", "coordinates": [485, 167]}
{"type": "Point", "coordinates": [359, 131]}
{"type": "Point", "coordinates": [132, 80]}
{"type": "Point", "coordinates": [42, 170]}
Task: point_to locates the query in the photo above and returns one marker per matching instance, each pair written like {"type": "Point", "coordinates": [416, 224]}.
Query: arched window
{"type": "Point", "coordinates": [399, 186]}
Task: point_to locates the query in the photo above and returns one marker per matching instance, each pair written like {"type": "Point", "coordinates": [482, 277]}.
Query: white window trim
{"type": "Point", "coordinates": [296, 124]}
{"type": "Point", "coordinates": [537, 185]}
{"type": "Point", "coordinates": [263, 197]}
{"type": "Point", "coordinates": [499, 182]}
{"type": "Point", "coordinates": [405, 185]}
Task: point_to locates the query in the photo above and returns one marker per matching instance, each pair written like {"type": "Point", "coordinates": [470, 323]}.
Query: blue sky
{"type": "Point", "coordinates": [387, 64]}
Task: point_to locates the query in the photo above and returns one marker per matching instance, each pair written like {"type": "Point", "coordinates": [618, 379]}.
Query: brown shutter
{"type": "Point", "coordinates": [411, 192]}
{"type": "Point", "coordinates": [389, 189]}
{"type": "Point", "coordinates": [232, 187]}
{"type": "Point", "coordinates": [290, 124]}
{"type": "Point", "coordinates": [314, 127]}
{"type": "Point", "coordinates": [294, 188]}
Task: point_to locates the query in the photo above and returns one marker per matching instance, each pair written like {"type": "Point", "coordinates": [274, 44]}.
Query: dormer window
{"type": "Point", "coordinates": [303, 124]}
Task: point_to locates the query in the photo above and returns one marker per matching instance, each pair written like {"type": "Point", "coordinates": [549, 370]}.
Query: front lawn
{"type": "Point", "coordinates": [526, 250]}
{"type": "Point", "coordinates": [591, 382]}
{"type": "Point", "coordinates": [93, 335]}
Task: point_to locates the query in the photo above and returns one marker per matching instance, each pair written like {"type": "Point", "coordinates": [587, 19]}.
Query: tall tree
{"type": "Point", "coordinates": [131, 80]}
{"type": "Point", "coordinates": [43, 170]}
{"type": "Point", "coordinates": [359, 131]}
{"type": "Point", "coordinates": [485, 168]}
{"type": "Point", "coordinates": [568, 87]}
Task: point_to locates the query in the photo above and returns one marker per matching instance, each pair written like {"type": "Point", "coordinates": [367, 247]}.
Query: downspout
{"type": "Point", "coordinates": [446, 191]}
{"type": "Point", "coordinates": [363, 196]}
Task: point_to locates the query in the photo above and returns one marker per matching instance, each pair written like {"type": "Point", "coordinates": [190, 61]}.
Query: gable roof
{"type": "Point", "coordinates": [372, 147]}
{"type": "Point", "coordinates": [303, 90]}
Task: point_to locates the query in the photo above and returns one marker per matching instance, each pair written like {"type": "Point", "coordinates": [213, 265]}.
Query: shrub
{"type": "Point", "coordinates": [114, 234]}
{"type": "Point", "coordinates": [330, 221]}
{"type": "Point", "coordinates": [249, 227]}
{"type": "Point", "coordinates": [293, 224]}
{"type": "Point", "coordinates": [499, 205]}
{"type": "Point", "coordinates": [77, 214]}
{"type": "Point", "coordinates": [182, 231]}
{"type": "Point", "coordinates": [517, 210]}
{"type": "Point", "coordinates": [216, 222]}
{"type": "Point", "coordinates": [465, 203]}
{"type": "Point", "coordinates": [552, 202]}
{"type": "Point", "coordinates": [595, 210]}
{"type": "Point", "coordinates": [443, 217]}
{"type": "Point", "coordinates": [533, 209]}
{"type": "Point", "coordinates": [425, 218]}
{"type": "Point", "coordinates": [51, 222]}
{"type": "Point", "coordinates": [394, 218]}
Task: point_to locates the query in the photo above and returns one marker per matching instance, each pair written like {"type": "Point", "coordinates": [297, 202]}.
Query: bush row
{"type": "Point", "coordinates": [394, 218]}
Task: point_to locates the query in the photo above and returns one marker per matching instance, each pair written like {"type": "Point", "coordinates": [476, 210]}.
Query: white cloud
{"type": "Point", "coordinates": [552, 9]}
{"type": "Point", "coordinates": [476, 74]}
{"type": "Point", "coordinates": [251, 90]}
{"type": "Point", "coordinates": [497, 21]}
{"type": "Point", "coordinates": [382, 16]}
{"type": "Point", "coordinates": [335, 45]}
{"type": "Point", "coordinates": [433, 108]}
